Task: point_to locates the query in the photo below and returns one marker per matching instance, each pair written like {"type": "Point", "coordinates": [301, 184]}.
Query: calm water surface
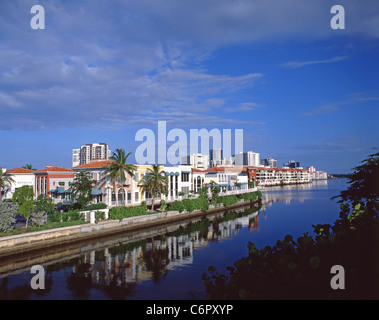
{"type": "Point", "coordinates": [167, 262]}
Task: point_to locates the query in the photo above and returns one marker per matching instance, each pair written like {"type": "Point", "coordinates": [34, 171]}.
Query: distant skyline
{"type": "Point", "coordinates": [102, 70]}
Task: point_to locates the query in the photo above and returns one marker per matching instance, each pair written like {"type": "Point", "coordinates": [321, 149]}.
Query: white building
{"type": "Point", "coordinates": [249, 158]}
{"type": "Point", "coordinates": [197, 161]}
{"type": "Point", "coordinates": [179, 180]}
{"type": "Point", "coordinates": [21, 177]}
{"type": "Point", "coordinates": [89, 152]}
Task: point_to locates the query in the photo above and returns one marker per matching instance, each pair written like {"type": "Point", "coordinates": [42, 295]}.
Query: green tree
{"type": "Point", "coordinates": [24, 198]}
{"type": "Point", "coordinates": [119, 168]}
{"type": "Point", "coordinates": [8, 213]}
{"type": "Point", "coordinates": [5, 179]}
{"type": "Point", "coordinates": [81, 188]}
{"type": "Point", "coordinates": [29, 166]}
{"type": "Point", "coordinates": [154, 181]}
{"type": "Point", "coordinates": [43, 205]}
{"type": "Point", "coordinates": [364, 183]}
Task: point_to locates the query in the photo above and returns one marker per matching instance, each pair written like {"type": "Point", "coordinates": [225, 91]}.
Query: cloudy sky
{"type": "Point", "coordinates": [103, 69]}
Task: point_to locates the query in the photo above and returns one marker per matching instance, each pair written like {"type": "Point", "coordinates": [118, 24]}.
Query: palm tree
{"type": "Point", "coordinates": [154, 181]}
{"type": "Point", "coordinates": [119, 167]}
{"type": "Point", "coordinates": [29, 166]}
{"type": "Point", "coordinates": [5, 178]}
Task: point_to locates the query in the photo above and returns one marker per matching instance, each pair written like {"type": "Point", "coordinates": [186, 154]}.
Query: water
{"type": "Point", "coordinates": [167, 262]}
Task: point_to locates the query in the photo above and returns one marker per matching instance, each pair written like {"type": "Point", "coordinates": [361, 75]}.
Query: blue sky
{"type": "Point", "coordinates": [102, 70]}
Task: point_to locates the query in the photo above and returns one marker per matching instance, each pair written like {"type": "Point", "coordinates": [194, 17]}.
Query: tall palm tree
{"type": "Point", "coordinates": [119, 168]}
{"type": "Point", "coordinates": [154, 181]}
{"type": "Point", "coordinates": [5, 179]}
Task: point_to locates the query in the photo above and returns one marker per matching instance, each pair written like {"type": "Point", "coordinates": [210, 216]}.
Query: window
{"type": "Point", "coordinates": [185, 177]}
{"type": "Point", "coordinates": [136, 196]}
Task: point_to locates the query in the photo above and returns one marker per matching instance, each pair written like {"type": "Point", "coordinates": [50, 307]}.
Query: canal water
{"type": "Point", "coordinates": [167, 262]}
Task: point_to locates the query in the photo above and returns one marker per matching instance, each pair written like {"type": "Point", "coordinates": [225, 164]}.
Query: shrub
{"type": "Point", "coordinates": [99, 215]}
{"type": "Point", "coordinates": [8, 213]}
{"type": "Point", "coordinates": [163, 205]}
{"type": "Point", "coordinates": [97, 206]}
{"type": "Point", "coordinates": [229, 200]}
{"type": "Point", "coordinates": [54, 216]}
{"type": "Point", "coordinates": [38, 218]}
{"type": "Point", "coordinates": [176, 206]}
{"type": "Point", "coordinates": [119, 213]}
{"type": "Point", "coordinates": [249, 196]}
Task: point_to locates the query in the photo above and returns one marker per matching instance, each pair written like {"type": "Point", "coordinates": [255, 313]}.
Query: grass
{"type": "Point", "coordinates": [46, 226]}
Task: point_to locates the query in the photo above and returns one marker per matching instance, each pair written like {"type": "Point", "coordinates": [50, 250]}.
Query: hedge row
{"type": "Point", "coordinates": [119, 213]}
{"type": "Point", "coordinates": [200, 203]}
{"type": "Point", "coordinates": [71, 215]}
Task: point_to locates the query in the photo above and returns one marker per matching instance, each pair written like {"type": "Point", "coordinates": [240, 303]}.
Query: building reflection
{"type": "Point", "coordinates": [117, 270]}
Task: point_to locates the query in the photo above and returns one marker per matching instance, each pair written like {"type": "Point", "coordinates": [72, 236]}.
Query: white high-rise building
{"type": "Point", "coordinates": [89, 152]}
{"type": "Point", "coordinates": [197, 161]}
{"type": "Point", "coordinates": [248, 158]}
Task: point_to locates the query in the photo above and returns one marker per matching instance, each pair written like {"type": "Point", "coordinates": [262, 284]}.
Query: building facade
{"type": "Point", "coordinates": [21, 177]}
{"type": "Point", "coordinates": [111, 192]}
{"type": "Point", "coordinates": [54, 182]}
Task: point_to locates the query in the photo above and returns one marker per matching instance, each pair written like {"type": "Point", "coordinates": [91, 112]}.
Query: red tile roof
{"type": "Point", "coordinates": [53, 169]}
{"type": "Point", "coordinates": [19, 170]}
{"type": "Point", "coordinates": [95, 164]}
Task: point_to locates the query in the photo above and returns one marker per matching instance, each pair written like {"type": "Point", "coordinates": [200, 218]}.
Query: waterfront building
{"type": "Point", "coordinates": [197, 179]}
{"type": "Point", "coordinates": [21, 177]}
{"type": "Point", "coordinates": [88, 152]}
{"type": "Point", "coordinates": [179, 180]}
{"type": "Point", "coordinates": [110, 192]}
{"type": "Point", "coordinates": [227, 178]}
{"type": "Point", "coordinates": [54, 182]}
{"type": "Point", "coordinates": [279, 176]}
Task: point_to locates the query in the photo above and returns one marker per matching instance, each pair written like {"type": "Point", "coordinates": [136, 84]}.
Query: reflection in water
{"type": "Point", "coordinates": [288, 193]}
{"type": "Point", "coordinates": [116, 270]}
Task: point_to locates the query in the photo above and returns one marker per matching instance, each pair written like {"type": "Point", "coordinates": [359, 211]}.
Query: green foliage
{"type": "Point", "coordinates": [81, 188]}
{"type": "Point", "coordinates": [71, 215]}
{"type": "Point", "coordinates": [119, 213]}
{"type": "Point", "coordinates": [8, 212]}
{"type": "Point", "coordinates": [23, 196]}
{"type": "Point", "coordinates": [163, 206]}
{"type": "Point", "coordinates": [99, 215]}
{"type": "Point", "coordinates": [229, 200]}
{"type": "Point", "coordinates": [176, 206]}
{"type": "Point", "coordinates": [38, 217]}
{"type": "Point", "coordinates": [154, 181]}
{"type": "Point", "coordinates": [251, 196]}
{"type": "Point", "coordinates": [96, 206]}
{"type": "Point", "coordinates": [44, 204]}
{"type": "Point", "coordinates": [364, 185]}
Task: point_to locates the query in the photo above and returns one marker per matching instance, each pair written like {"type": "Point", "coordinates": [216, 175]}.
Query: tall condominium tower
{"type": "Point", "coordinates": [88, 152]}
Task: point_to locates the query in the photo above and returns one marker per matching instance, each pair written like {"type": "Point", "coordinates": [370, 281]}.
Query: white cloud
{"type": "Point", "coordinates": [300, 64]}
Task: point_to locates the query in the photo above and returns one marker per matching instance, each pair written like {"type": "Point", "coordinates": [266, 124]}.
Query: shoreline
{"type": "Point", "coordinates": [39, 241]}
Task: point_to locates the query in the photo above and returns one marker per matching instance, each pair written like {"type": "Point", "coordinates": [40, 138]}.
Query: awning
{"type": "Point", "coordinates": [96, 191]}
{"type": "Point", "coordinates": [59, 190]}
